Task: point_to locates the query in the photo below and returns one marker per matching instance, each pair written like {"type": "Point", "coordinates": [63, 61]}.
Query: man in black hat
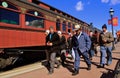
{"type": "Point", "coordinates": [105, 39]}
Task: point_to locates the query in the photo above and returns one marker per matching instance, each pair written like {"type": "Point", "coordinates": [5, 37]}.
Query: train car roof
{"type": "Point", "coordinates": [38, 2]}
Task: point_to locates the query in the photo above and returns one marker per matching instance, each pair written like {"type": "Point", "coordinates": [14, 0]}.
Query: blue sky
{"type": "Point", "coordinates": [95, 11]}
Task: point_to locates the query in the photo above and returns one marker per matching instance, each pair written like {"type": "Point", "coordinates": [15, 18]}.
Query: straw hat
{"type": "Point", "coordinates": [77, 27]}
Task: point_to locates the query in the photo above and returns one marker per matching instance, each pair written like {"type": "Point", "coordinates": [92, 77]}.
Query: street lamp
{"type": "Point", "coordinates": [111, 15]}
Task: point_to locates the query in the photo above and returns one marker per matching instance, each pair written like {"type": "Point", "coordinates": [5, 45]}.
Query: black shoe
{"type": "Point", "coordinates": [108, 64]}
{"type": "Point", "coordinates": [101, 66]}
{"type": "Point", "coordinates": [58, 66]}
{"type": "Point", "coordinates": [75, 72]}
{"type": "Point", "coordinates": [89, 68]}
{"type": "Point", "coordinates": [90, 58]}
{"type": "Point", "coordinates": [63, 64]}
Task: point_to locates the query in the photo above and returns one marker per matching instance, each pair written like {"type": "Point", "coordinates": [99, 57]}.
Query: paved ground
{"type": "Point", "coordinates": [65, 72]}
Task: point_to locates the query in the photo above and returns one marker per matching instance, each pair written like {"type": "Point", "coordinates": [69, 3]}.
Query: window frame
{"type": "Point", "coordinates": [73, 26]}
{"type": "Point", "coordinates": [58, 22]}
{"type": "Point", "coordinates": [69, 27]}
{"type": "Point", "coordinates": [64, 23]}
{"type": "Point", "coordinates": [13, 10]}
{"type": "Point", "coordinates": [33, 27]}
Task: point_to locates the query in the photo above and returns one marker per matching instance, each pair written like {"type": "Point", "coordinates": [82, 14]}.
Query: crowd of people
{"type": "Point", "coordinates": [78, 44]}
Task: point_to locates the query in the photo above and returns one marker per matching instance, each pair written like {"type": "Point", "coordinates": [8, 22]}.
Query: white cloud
{"type": "Point", "coordinates": [114, 2]}
{"type": "Point", "coordinates": [104, 1]}
{"type": "Point", "coordinates": [79, 6]}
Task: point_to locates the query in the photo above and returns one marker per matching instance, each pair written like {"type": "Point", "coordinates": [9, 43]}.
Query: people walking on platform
{"type": "Point", "coordinates": [62, 46]}
{"type": "Point", "coordinates": [53, 42]}
{"type": "Point", "coordinates": [81, 47]}
{"type": "Point", "coordinates": [106, 39]}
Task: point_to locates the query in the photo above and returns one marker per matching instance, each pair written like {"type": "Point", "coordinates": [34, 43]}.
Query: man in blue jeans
{"type": "Point", "coordinates": [81, 46]}
{"type": "Point", "coordinates": [105, 39]}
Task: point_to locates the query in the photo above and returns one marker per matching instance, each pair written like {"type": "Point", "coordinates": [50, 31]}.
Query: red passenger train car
{"type": "Point", "coordinates": [23, 23]}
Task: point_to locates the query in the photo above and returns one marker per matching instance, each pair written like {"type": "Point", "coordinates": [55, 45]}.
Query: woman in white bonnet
{"type": "Point", "coordinates": [63, 47]}
{"type": "Point", "coordinates": [69, 41]}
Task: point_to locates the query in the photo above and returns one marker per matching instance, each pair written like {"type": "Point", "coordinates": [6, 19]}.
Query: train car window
{"type": "Point", "coordinates": [7, 11]}
{"type": "Point", "coordinates": [7, 5]}
{"type": "Point", "coordinates": [73, 26]}
{"type": "Point", "coordinates": [58, 25]}
{"type": "Point", "coordinates": [69, 25]}
{"type": "Point", "coordinates": [64, 26]}
{"type": "Point", "coordinates": [83, 29]}
{"type": "Point", "coordinates": [34, 19]}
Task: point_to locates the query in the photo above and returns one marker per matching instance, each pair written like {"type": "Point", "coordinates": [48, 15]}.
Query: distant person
{"type": "Point", "coordinates": [106, 39]}
{"type": "Point", "coordinates": [118, 36]}
{"type": "Point", "coordinates": [115, 38]}
{"type": "Point", "coordinates": [62, 46]}
{"type": "Point", "coordinates": [70, 44]}
{"type": "Point", "coordinates": [53, 42]}
{"type": "Point", "coordinates": [92, 48]}
{"type": "Point", "coordinates": [81, 47]}
{"type": "Point", "coordinates": [96, 42]}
